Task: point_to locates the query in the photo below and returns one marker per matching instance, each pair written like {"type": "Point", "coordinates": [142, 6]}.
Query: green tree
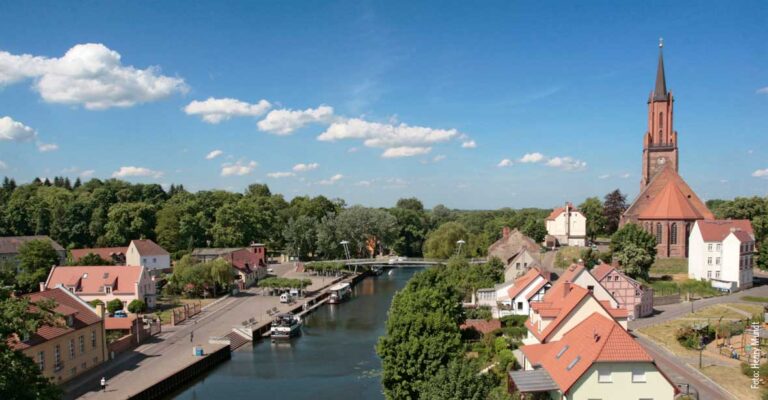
{"type": "Point", "coordinates": [459, 380]}
{"type": "Point", "coordinates": [220, 272]}
{"type": "Point", "coordinates": [441, 243]}
{"type": "Point", "coordinates": [762, 255]}
{"type": "Point", "coordinates": [114, 305]}
{"type": "Point", "coordinates": [635, 260]}
{"type": "Point", "coordinates": [614, 206]}
{"type": "Point", "coordinates": [300, 235]}
{"type": "Point", "coordinates": [412, 227]}
{"type": "Point", "coordinates": [592, 208]}
{"type": "Point", "coordinates": [91, 259]}
{"type": "Point", "coordinates": [128, 221]}
{"type": "Point", "coordinates": [536, 230]}
{"type": "Point", "coordinates": [137, 306]}
{"type": "Point", "coordinates": [636, 247]}
{"type": "Point", "coordinates": [36, 258]}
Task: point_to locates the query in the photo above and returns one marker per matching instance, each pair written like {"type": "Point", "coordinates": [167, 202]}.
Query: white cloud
{"type": "Point", "coordinates": [285, 121]}
{"type": "Point", "coordinates": [46, 147]}
{"type": "Point", "coordinates": [305, 167]}
{"type": "Point", "coordinates": [438, 158]}
{"type": "Point", "coordinates": [363, 183]}
{"type": "Point", "coordinates": [566, 163]}
{"type": "Point", "coordinates": [213, 154]}
{"type": "Point", "coordinates": [136, 171]}
{"type": "Point", "coordinates": [213, 110]}
{"type": "Point", "coordinates": [380, 135]}
{"type": "Point", "coordinates": [238, 168]}
{"type": "Point", "coordinates": [405, 151]}
{"type": "Point", "coordinates": [89, 74]}
{"type": "Point", "coordinates": [469, 144]}
{"type": "Point", "coordinates": [278, 175]}
{"type": "Point", "coordinates": [87, 173]}
{"type": "Point", "coordinates": [3, 165]}
{"type": "Point", "coordinates": [763, 90]}
{"type": "Point", "coordinates": [760, 173]}
{"type": "Point", "coordinates": [532, 158]}
{"type": "Point", "coordinates": [331, 180]}
{"type": "Point", "coordinates": [623, 176]}
{"type": "Point", "coordinates": [723, 180]}
{"type": "Point", "coordinates": [352, 150]}
{"type": "Point", "coordinates": [604, 176]}
{"type": "Point", "coordinates": [504, 163]}
{"type": "Point", "coordinates": [77, 171]}
{"type": "Point", "coordinates": [14, 130]}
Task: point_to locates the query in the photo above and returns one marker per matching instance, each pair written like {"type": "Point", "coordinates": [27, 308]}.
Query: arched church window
{"type": "Point", "coordinates": [658, 233]}
{"type": "Point", "coordinates": [661, 120]}
{"type": "Point", "coordinates": [673, 234]}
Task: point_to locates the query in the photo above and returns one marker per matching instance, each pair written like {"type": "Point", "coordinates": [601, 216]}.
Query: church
{"type": "Point", "coordinates": [666, 206]}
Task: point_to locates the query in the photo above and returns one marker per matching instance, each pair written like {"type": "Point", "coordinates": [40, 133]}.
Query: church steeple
{"type": "Point", "coordinates": [660, 90]}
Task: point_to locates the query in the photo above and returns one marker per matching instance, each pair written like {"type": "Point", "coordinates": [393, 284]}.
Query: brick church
{"type": "Point", "coordinates": [666, 206]}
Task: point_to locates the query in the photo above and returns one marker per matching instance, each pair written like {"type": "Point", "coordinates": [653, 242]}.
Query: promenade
{"type": "Point", "coordinates": [131, 372]}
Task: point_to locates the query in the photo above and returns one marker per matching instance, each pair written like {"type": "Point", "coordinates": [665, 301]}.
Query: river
{"type": "Point", "coordinates": [334, 358]}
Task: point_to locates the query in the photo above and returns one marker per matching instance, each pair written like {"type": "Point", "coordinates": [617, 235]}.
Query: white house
{"type": "Point", "coordinates": [722, 252]}
{"type": "Point", "coordinates": [515, 297]}
{"type": "Point", "coordinates": [147, 254]}
{"type": "Point", "coordinates": [568, 226]}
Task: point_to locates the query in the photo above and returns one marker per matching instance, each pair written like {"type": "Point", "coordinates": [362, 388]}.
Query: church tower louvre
{"type": "Point", "coordinates": [660, 140]}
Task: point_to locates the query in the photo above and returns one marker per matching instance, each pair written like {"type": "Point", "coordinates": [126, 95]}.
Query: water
{"type": "Point", "coordinates": [334, 358]}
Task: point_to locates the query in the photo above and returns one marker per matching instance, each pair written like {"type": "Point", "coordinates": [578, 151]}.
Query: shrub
{"type": "Point", "coordinates": [114, 305]}
{"type": "Point", "coordinates": [95, 303]}
{"type": "Point", "coordinates": [137, 306]}
{"type": "Point", "coordinates": [506, 359]}
{"type": "Point", "coordinates": [513, 320]}
{"type": "Point", "coordinates": [482, 312]}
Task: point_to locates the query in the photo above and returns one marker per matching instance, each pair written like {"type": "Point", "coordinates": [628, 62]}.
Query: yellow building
{"type": "Point", "coordinates": [66, 351]}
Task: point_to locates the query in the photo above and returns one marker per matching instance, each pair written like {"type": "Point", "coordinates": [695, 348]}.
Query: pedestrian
{"type": "Point", "coordinates": [103, 384]}
{"type": "Point", "coordinates": [191, 336]}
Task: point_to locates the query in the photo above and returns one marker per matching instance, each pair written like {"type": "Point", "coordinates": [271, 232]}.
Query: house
{"type": "Point", "coordinates": [595, 359]}
{"type": "Point", "coordinates": [578, 274]}
{"type": "Point", "coordinates": [631, 294]}
{"type": "Point", "coordinates": [105, 283]}
{"type": "Point", "coordinates": [568, 226]}
{"type": "Point", "coordinates": [249, 263]}
{"type": "Point", "coordinates": [511, 245]}
{"type": "Point", "coordinates": [722, 252]}
{"type": "Point", "coordinates": [116, 255]}
{"type": "Point", "coordinates": [666, 207]}
{"type": "Point", "coordinates": [149, 255]}
{"type": "Point", "coordinates": [73, 348]}
{"type": "Point", "coordinates": [9, 247]}
{"type": "Point", "coordinates": [520, 264]}
{"type": "Point", "coordinates": [514, 297]}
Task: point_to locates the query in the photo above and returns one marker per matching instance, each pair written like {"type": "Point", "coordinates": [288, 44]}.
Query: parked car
{"type": "Point", "coordinates": [286, 298]}
{"type": "Point", "coordinates": [120, 314]}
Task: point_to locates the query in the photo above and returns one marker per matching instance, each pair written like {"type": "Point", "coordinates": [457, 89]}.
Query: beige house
{"type": "Point", "coordinates": [66, 351]}
{"type": "Point", "coordinates": [631, 294]}
{"type": "Point", "coordinates": [105, 283]}
{"type": "Point", "coordinates": [520, 264]}
{"type": "Point", "coordinates": [579, 274]}
{"type": "Point", "coordinates": [595, 359]}
{"type": "Point", "coordinates": [511, 245]}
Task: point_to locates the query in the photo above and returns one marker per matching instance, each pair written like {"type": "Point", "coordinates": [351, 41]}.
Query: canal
{"type": "Point", "coordinates": [334, 358]}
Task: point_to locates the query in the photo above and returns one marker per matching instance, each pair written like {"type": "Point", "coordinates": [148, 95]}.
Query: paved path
{"type": "Point", "coordinates": [131, 372]}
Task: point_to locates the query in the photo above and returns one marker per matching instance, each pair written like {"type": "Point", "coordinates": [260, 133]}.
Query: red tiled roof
{"type": "Point", "coordinates": [670, 203]}
{"type": "Point", "coordinates": [536, 288]}
{"type": "Point", "coordinates": [91, 279]}
{"type": "Point", "coordinates": [524, 281]}
{"type": "Point", "coordinates": [717, 230]}
{"type": "Point", "coordinates": [146, 247]}
{"type": "Point", "coordinates": [658, 183]}
{"type": "Point", "coordinates": [596, 339]}
{"type": "Point", "coordinates": [569, 275]}
{"type": "Point", "coordinates": [481, 325]}
{"type": "Point", "coordinates": [601, 270]}
{"type": "Point", "coordinates": [66, 304]}
{"type": "Point", "coordinates": [105, 253]}
{"type": "Point", "coordinates": [112, 323]}
{"type": "Point", "coordinates": [559, 309]}
{"type": "Point", "coordinates": [557, 211]}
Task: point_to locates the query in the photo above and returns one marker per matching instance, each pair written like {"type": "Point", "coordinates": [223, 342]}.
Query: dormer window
{"type": "Point", "coordinates": [107, 289]}
{"type": "Point", "coordinates": [70, 321]}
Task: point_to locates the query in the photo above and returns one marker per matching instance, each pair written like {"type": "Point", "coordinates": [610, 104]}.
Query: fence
{"type": "Point", "coordinates": [663, 297]}
{"type": "Point", "coordinates": [181, 314]}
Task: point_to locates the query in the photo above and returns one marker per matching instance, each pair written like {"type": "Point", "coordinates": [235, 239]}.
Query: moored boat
{"type": "Point", "coordinates": [340, 292]}
{"type": "Point", "coordinates": [285, 326]}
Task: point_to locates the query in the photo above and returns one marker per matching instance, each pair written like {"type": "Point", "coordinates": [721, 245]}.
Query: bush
{"type": "Point", "coordinates": [114, 305]}
{"type": "Point", "coordinates": [95, 303]}
{"type": "Point", "coordinates": [513, 320]}
{"type": "Point", "coordinates": [482, 312]}
{"type": "Point", "coordinates": [506, 359]}
{"type": "Point", "coordinates": [137, 306]}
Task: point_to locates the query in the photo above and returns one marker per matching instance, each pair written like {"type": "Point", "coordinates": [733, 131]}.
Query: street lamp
{"type": "Point", "coordinates": [459, 244]}
{"type": "Point", "coordinates": [345, 243]}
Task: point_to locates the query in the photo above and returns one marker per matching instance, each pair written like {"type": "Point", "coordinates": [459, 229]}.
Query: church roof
{"type": "Point", "coordinates": [667, 196]}
{"type": "Point", "coordinates": [660, 90]}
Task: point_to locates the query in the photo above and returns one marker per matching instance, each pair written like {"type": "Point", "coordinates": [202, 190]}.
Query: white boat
{"type": "Point", "coordinates": [339, 293]}
{"type": "Point", "coordinates": [285, 326]}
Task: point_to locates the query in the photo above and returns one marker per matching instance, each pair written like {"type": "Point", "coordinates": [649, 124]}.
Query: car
{"type": "Point", "coordinates": [120, 314]}
{"type": "Point", "coordinates": [270, 271]}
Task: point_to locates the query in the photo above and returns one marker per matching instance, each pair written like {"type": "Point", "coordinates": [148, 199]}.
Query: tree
{"type": "Point", "coordinates": [441, 243]}
{"type": "Point", "coordinates": [36, 258]}
{"type": "Point", "coordinates": [220, 272]}
{"type": "Point", "coordinates": [592, 208]}
{"type": "Point", "coordinates": [412, 227]}
{"type": "Point", "coordinates": [762, 255]}
{"type": "Point", "coordinates": [536, 230]}
{"type": "Point", "coordinates": [91, 259]}
{"type": "Point", "coordinates": [128, 221]}
{"type": "Point", "coordinates": [114, 305]}
{"type": "Point", "coordinates": [459, 380]}
{"type": "Point", "coordinates": [614, 206]}
{"type": "Point", "coordinates": [636, 247]}
{"type": "Point", "coordinates": [300, 235]}
{"type": "Point", "coordinates": [137, 306]}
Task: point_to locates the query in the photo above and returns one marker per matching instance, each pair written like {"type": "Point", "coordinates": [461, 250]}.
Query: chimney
{"type": "Point", "coordinates": [505, 232]}
{"type": "Point", "coordinates": [566, 288]}
{"type": "Point", "coordinates": [100, 310]}
{"type": "Point", "coordinates": [733, 229]}
{"type": "Point", "coordinates": [42, 286]}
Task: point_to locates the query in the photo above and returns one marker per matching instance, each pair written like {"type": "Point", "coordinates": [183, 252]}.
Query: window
{"type": "Point", "coordinates": [591, 288]}
{"type": "Point", "coordinates": [93, 339]}
{"type": "Point", "coordinates": [107, 289]}
{"type": "Point", "coordinates": [519, 305]}
{"type": "Point", "coordinates": [658, 233]}
{"type": "Point", "coordinates": [661, 120]}
{"type": "Point", "coordinates": [709, 274]}
{"type": "Point", "coordinates": [57, 357]}
{"type": "Point", "coordinates": [709, 260]}
{"type": "Point", "coordinates": [638, 376]}
{"type": "Point", "coordinates": [560, 353]}
{"type": "Point", "coordinates": [41, 360]}
{"type": "Point", "coordinates": [709, 247]}
{"type": "Point", "coordinates": [604, 376]}
{"type": "Point", "coordinates": [71, 348]}
{"type": "Point", "coordinates": [82, 344]}
{"type": "Point", "coordinates": [573, 363]}
{"type": "Point", "coordinates": [616, 278]}
{"type": "Point", "coordinates": [717, 274]}
{"type": "Point", "coordinates": [717, 261]}
{"type": "Point", "coordinates": [154, 260]}
{"type": "Point", "coordinates": [673, 234]}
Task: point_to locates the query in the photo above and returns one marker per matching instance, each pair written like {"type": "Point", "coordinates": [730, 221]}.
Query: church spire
{"type": "Point", "coordinates": [660, 90]}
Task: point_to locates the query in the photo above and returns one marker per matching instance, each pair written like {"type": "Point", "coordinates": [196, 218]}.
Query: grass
{"type": "Point", "coordinates": [668, 285]}
{"type": "Point", "coordinates": [733, 380]}
{"type": "Point", "coordinates": [750, 308]}
{"type": "Point", "coordinates": [569, 254]}
{"type": "Point", "coordinates": [755, 299]}
{"type": "Point", "coordinates": [669, 266]}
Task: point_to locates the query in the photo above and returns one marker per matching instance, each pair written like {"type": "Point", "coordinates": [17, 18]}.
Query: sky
{"type": "Point", "coordinates": [471, 105]}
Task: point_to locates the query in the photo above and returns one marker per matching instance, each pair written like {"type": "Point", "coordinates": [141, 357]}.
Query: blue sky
{"type": "Point", "coordinates": [382, 100]}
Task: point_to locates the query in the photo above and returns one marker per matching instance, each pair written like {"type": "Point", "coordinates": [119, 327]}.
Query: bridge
{"type": "Point", "coordinates": [394, 262]}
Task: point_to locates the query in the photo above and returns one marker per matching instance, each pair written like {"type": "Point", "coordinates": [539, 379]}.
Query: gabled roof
{"type": "Point", "coordinates": [511, 245]}
{"type": "Point", "coordinates": [601, 270]}
{"type": "Point", "coordinates": [559, 210]}
{"type": "Point", "coordinates": [719, 229]}
{"type": "Point", "coordinates": [92, 279]}
{"type": "Point", "coordinates": [146, 247]}
{"type": "Point", "coordinates": [245, 260]}
{"type": "Point", "coordinates": [654, 188]}
{"type": "Point", "coordinates": [522, 282]}
{"type": "Point", "coordinates": [670, 203]}
{"type": "Point", "coordinates": [569, 275]}
{"type": "Point", "coordinates": [106, 253]}
{"type": "Point", "coordinates": [68, 305]}
{"type": "Point", "coordinates": [11, 244]}
{"type": "Point", "coordinates": [596, 339]}
{"type": "Point", "coordinates": [213, 251]}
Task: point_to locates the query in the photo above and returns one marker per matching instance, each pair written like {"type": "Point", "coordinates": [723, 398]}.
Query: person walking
{"type": "Point", "coordinates": [103, 384]}
{"type": "Point", "coordinates": [191, 336]}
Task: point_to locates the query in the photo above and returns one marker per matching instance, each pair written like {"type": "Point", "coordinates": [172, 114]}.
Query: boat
{"type": "Point", "coordinates": [339, 293]}
{"type": "Point", "coordinates": [285, 326]}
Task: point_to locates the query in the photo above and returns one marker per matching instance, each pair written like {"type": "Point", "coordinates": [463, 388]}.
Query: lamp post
{"type": "Point", "coordinates": [345, 243]}
{"type": "Point", "coordinates": [459, 244]}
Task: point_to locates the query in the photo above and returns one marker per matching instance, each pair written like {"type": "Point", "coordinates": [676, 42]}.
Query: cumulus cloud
{"type": "Point", "coordinates": [566, 163]}
{"type": "Point", "coordinates": [468, 144]}
{"type": "Point", "coordinates": [763, 90]}
{"type": "Point", "coordinates": [238, 168]}
{"type": "Point", "coordinates": [124, 172]}
{"type": "Point", "coordinates": [285, 121]}
{"type": "Point", "coordinates": [3, 165]}
{"type": "Point", "coordinates": [405, 151]}
{"type": "Point", "coordinates": [331, 180]}
{"type": "Point", "coordinates": [438, 158]}
{"type": "Point", "coordinates": [305, 167]}
{"type": "Point", "coordinates": [760, 173]}
{"type": "Point", "coordinates": [504, 163]}
{"type": "Point", "coordinates": [89, 74]}
{"type": "Point", "coordinates": [213, 154]}
{"type": "Point", "coordinates": [87, 173]}
{"type": "Point", "coordinates": [278, 175]}
{"type": "Point", "coordinates": [532, 158]}
{"type": "Point", "coordinates": [11, 130]}
{"type": "Point", "coordinates": [77, 171]}
{"type": "Point", "coordinates": [213, 110]}
{"type": "Point", "coordinates": [46, 147]}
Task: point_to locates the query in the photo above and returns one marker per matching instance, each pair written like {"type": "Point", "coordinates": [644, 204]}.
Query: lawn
{"type": "Point", "coordinates": [755, 299]}
{"type": "Point", "coordinates": [733, 380]}
{"type": "Point", "coordinates": [669, 266]}
{"type": "Point", "coordinates": [667, 285]}
{"type": "Point", "coordinates": [750, 308]}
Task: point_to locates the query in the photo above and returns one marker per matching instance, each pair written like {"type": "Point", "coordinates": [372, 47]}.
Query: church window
{"type": "Point", "coordinates": [673, 234]}
{"type": "Point", "coordinates": [661, 120]}
{"type": "Point", "coordinates": [658, 233]}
